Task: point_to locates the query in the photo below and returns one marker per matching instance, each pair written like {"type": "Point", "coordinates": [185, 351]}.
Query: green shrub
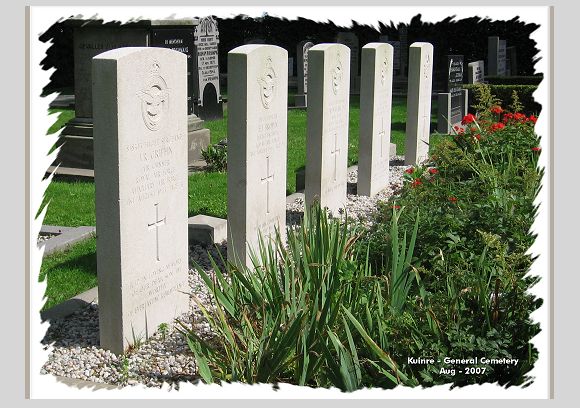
{"type": "Point", "coordinates": [216, 157]}
{"type": "Point", "coordinates": [504, 95]}
{"type": "Point", "coordinates": [477, 195]}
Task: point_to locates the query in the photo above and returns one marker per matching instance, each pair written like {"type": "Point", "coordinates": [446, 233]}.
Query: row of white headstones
{"type": "Point", "coordinates": [140, 145]}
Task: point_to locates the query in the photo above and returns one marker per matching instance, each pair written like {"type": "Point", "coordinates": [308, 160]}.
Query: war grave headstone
{"type": "Point", "coordinates": [209, 105]}
{"type": "Point", "coordinates": [475, 72]}
{"type": "Point", "coordinates": [327, 133]}
{"type": "Point", "coordinates": [351, 41]}
{"type": "Point", "coordinates": [301, 98]}
{"type": "Point", "coordinates": [452, 106]}
{"type": "Point", "coordinates": [496, 56]}
{"type": "Point", "coordinates": [257, 140]}
{"type": "Point", "coordinates": [420, 83]}
{"type": "Point", "coordinates": [91, 37]}
{"type": "Point", "coordinates": [140, 125]}
{"type": "Point", "coordinates": [375, 118]}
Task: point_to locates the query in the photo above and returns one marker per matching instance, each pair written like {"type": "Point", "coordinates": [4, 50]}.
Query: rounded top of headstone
{"type": "Point", "coordinates": [250, 48]}
{"type": "Point", "coordinates": [377, 45]}
{"type": "Point", "coordinates": [422, 45]}
{"type": "Point", "coordinates": [120, 53]}
{"type": "Point", "coordinates": [326, 46]}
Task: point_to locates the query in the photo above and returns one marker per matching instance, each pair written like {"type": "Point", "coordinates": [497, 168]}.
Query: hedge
{"type": "Point", "coordinates": [514, 80]}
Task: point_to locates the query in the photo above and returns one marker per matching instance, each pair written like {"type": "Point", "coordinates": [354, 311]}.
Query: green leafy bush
{"type": "Point", "coordinates": [504, 95]}
{"type": "Point", "coordinates": [476, 194]}
{"type": "Point", "coordinates": [216, 157]}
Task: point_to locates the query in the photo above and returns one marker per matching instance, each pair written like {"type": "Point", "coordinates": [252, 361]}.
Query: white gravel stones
{"type": "Point", "coordinates": [165, 356]}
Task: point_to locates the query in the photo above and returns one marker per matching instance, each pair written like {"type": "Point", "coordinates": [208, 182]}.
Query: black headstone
{"type": "Point", "coordinates": [455, 86]}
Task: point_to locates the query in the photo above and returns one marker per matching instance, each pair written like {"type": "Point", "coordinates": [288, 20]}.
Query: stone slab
{"type": "Point", "coordinates": [140, 146]}
{"type": "Point", "coordinates": [67, 237]}
{"type": "Point", "coordinates": [71, 305]}
{"type": "Point", "coordinates": [207, 230]}
{"type": "Point", "coordinates": [197, 141]}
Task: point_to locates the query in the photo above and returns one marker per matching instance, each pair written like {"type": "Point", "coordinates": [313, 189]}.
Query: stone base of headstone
{"type": "Point", "coordinates": [76, 151]}
{"type": "Point", "coordinates": [300, 101]}
{"type": "Point", "coordinates": [444, 108]}
{"type": "Point", "coordinates": [198, 138]}
{"type": "Point", "coordinates": [206, 230]}
{"type": "Point", "coordinates": [444, 113]}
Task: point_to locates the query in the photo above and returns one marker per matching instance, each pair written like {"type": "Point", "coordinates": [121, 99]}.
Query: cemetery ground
{"type": "Point", "coordinates": [438, 271]}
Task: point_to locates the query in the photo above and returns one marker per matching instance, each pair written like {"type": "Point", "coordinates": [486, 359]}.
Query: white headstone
{"type": "Point", "coordinates": [140, 144]}
{"type": "Point", "coordinates": [475, 72]}
{"type": "Point", "coordinates": [375, 118]}
{"type": "Point", "coordinates": [327, 137]}
{"type": "Point", "coordinates": [419, 102]}
{"type": "Point", "coordinates": [257, 140]}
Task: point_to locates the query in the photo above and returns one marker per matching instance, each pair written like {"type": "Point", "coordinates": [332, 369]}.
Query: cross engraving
{"type": "Point", "coordinates": [268, 179]}
{"type": "Point", "coordinates": [156, 225]}
{"type": "Point", "coordinates": [382, 135]}
{"type": "Point", "coordinates": [335, 153]}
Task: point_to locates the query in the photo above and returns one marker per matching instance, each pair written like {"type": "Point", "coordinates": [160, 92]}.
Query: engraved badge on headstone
{"type": "Point", "coordinates": [384, 67]}
{"type": "Point", "coordinates": [154, 98]}
{"type": "Point", "coordinates": [268, 82]}
{"type": "Point", "coordinates": [337, 74]}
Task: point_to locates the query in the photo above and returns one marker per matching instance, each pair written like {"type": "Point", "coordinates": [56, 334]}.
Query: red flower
{"type": "Point", "coordinates": [536, 149]}
{"type": "Point", "coordinates": [469, 118]}
{"type": "Point", "coordinates": [519, 116]}
{"type": "Point", "coordinates": [496, 109]}
{"type": "Point", "coordinates": [433, 170]}
{"type": "Point", "coordinates": [417, 182]}
{"type": "Point", "coordinates": [410, 170]}
{"type": "Point", "coordinates": [532, 118]}
{"type": "Point", "coordinates": [396, 207]}
{"type": "Point", "coordinates": [473, 129]}
{"type": "Point", "coordinates": [496, 126]}
{"type": "Point", "coordinates": [453, 199]}
{"type": "Point", "coordinates": [477, 136]}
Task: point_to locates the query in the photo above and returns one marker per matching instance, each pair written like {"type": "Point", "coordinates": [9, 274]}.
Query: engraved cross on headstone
{"type": "Point", "coordinates": [335, 153]}
{"type": "Point", "coordinates": [268, 179]}
{"type": "Point", "coordinates": [382, 135]}
{"type": "Point", "coordinates": [158, 222]}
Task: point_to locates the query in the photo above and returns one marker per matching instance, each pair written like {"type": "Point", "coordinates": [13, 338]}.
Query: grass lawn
{"type": "Point", "coordinates": [72, 201]}
{"type": "Point", "coordinates": [70, 272]}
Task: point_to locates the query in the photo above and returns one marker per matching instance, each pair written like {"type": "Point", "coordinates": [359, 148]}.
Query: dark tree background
{"type": "Point", "coordinates": [466, 36]}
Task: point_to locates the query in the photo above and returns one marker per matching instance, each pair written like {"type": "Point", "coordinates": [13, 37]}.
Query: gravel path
{"type": "Point", "coordinates": [165, 357]}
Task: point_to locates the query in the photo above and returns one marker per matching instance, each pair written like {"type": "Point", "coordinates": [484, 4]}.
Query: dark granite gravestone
{"type": "Point", "coordinates": [455, 86]}
{"type": "Point", "coordinates": [452, 105]}
{"type": "Point", "coordinates": [207, 86]}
